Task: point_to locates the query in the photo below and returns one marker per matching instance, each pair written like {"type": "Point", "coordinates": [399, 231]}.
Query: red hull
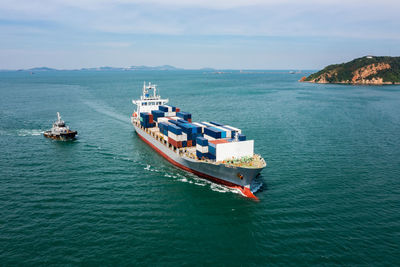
{"type": "Point", "coordinates": [244, 190]}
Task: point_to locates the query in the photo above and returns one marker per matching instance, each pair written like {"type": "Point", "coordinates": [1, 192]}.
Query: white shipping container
{"type": "Point", "coordinates": [234, 149]}
{"type": "Point", "coordinates": [202, 149]}
{"type": "Point", "coordinates": [170, 114]}
{"type": "Point", "coordinates": [154, 129]}
{"type": "Point", "coordinates": [233, 128]}
{"type": "Point", "coordinates": [162, 119]}
{"type": "Point", "coordinates": [176, 137]}
{"type": "Point", "coordinates": [169, 108]}
{"type": "Point", "coordinates": [207, 124]}
{"type": "Point", "coordinates": [173, 136]}
{"type": "Point", "coordinates": [183, 137]}
{"type": "Point", "coordinates": [208, 137]}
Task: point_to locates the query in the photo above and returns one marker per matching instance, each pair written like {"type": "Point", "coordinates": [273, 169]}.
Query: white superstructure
{"type": "Point", "coordinates": [149, 100]}
{"type": "Point", "coordinates": [59, 126]}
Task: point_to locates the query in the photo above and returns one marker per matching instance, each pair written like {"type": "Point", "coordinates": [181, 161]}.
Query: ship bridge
{"type": "Point", "coordinates": [149, 100]}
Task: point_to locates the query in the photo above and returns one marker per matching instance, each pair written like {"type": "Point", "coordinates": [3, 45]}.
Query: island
{"type": "Point", "coordinates": [369, 70]}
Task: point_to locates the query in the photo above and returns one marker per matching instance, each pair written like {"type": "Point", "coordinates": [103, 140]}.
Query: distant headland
{"type": "Point", "coordinates": [106, 68]}
{"type": "Point", "coordinates": [365, 70]}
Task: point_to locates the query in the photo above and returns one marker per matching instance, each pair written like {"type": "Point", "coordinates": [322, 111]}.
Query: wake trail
{"type": "Point", "coordinates": [22, 132]}
{"type": "Point", "coordinates": [108, 111]}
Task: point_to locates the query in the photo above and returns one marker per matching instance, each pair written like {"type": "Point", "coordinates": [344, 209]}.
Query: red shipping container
{"type": "Point", "coordinates": [189, 120]}
{"type": "Point", "coordinates": [177, 109]}
{"type": "Point", "coordinates": [189, 142]}
{"type": "Point", "coordinates": [218, 141]}
{"type": "Point", "coordinates": [174, 143]}
{"type": "Point", "coordinates": [151, 118]}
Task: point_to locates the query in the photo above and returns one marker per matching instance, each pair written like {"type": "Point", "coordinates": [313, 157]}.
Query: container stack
{"type": "Point", "coordinates": [212, 133]}
{"type": "Point", "coordinates": [182, 121]}
{"type": "Point", "coordinates": [233, 129]}
{"type": "Point", "coordinates": [184, 115]}
{"type": "Point", "coordinates": [157, 114]}
{"type": "Point", "coordinates": [201, 147]}
{"type": "Point", "coordinates": [241, 137]}
{"type": "Point", "coordinates": [162, 119]}
{"type": "Point", "coordinates": [168, 110]}
{"type": "Point", "coordinates": [163, 126]}
{"type": "Point", "coordinates": [201, 125]}
{"type": "Point", "coordinates": [146, 120]}
{"type": "Point", "coordinates": [175, 136]}
{"type": "Point", "coordinates": [190, 132]}
{"type": "Point", "coordinates": [213, 140]}
{"type": "Point", "coordinates": [229, 133]}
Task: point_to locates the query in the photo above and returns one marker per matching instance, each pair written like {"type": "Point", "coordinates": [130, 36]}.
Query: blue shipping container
{"type": "Point", "coordinates": [174, 122]}
{"type": "Point", "coordinates": [242, 137]}
{"type": "Point", "coordinates": [163, 108]}
{"type": "Point", "coordinates": [163, 125]}
{"type": "Point", "coordinates": [182, 121]}
{"type": "Point", "coordinates": [205, 155]}
{"type": "Point", "coordinates": [213, 132]}
{"type": "Point", "coordinates": [223, 133]}
{"type": "Point", "coordinates": [212, 150]}
{"type": "Point", "coordinates": [202, 141]}
{"type": "Point", "coordinates": [174, 129]}
{"type": "Point", "coordinates": [184, 115]}
{"type": "Point", "coordinates": [157, 113]}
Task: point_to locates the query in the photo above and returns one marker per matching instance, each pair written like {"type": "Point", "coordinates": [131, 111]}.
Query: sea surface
{"type": "Point", "coordinates": [330, 193]}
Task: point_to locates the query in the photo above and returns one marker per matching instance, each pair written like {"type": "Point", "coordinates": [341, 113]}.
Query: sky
{"type": "Point", "coordinates": [223, 34]}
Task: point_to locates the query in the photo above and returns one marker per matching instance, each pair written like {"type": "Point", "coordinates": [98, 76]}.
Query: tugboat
{"type": "Point", "coordinates": [59, 131]}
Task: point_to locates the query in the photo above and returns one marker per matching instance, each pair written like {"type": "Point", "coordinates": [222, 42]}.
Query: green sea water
{"type": "Point", "coordinates": [330, 194]}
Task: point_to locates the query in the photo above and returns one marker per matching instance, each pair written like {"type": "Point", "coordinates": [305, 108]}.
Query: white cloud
{"type": "Point", "coordinates": [209, 28]}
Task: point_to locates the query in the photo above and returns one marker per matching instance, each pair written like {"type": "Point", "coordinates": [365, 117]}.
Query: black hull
{"type": "Point", "coordinates": [65, 136]}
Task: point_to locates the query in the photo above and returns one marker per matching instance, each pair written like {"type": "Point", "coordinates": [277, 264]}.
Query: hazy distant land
{"type": "Point", "coordinates": [106, 68]}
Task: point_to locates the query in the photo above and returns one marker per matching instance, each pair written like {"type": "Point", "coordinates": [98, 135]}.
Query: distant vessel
{"type": "Point", "coordinates": [60, 131]}
{"type": "Point", "coordinates": [211, 150]}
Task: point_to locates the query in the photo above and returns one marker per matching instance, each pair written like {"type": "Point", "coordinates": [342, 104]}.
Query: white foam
{"type": "Point", "coordinates": [29, 132]}
{"type": "Point", "coordinates": [193, 179]}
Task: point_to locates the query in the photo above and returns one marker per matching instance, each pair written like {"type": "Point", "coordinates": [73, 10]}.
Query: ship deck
{"type": "Point", "coordinates": [256, 161]}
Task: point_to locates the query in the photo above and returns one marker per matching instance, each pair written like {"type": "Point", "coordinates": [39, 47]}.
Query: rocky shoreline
{"type": "Point", "coordinates": [362, 71]}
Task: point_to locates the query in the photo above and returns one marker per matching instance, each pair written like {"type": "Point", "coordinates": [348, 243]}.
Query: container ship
{"type": "Point", "coordinates": [211, 150]}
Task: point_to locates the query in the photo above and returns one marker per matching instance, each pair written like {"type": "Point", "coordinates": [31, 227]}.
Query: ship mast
{"type": "Point", "coordinates": [147, 89]}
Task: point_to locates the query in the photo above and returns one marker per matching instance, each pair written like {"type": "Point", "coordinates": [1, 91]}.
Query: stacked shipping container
{"type": "Point", "coordinates": [184, 115]}
{"type": "Point", "coordinates": [176, 127]}
{"type": "Point", "coordinates": [146, 120]}
{"type": "Point", "coordinates": [175, 136]}
{"type": "Point", "coordinates": [202, 147]}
